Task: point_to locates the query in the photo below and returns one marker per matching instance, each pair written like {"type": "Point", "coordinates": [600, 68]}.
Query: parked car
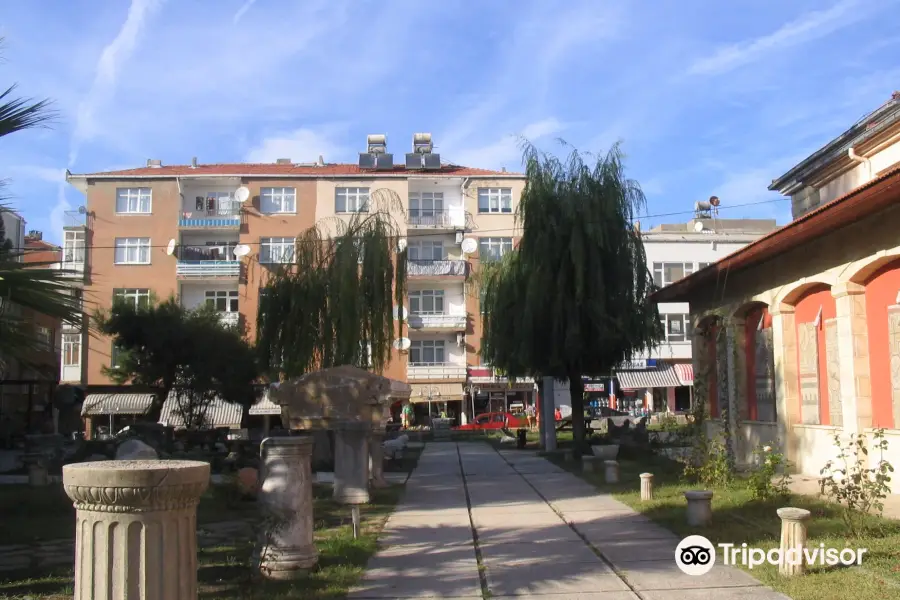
{"type": "Point", "coordinates": [494, 420]}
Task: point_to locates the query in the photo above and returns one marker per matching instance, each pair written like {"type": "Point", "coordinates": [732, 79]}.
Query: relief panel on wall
{"type": "Point", "coordinates": [808, 350]}
{"type": "Point", "coordinates": [833, 372]}
{"type": "Point", "coordinates": [721, 371]}
{"type": "Point", "coordinates": [765, 376]}
{"type": "Point", "coordinates": [894, 353]}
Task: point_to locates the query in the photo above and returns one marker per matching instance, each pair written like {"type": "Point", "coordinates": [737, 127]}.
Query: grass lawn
{"type": "Point", "coordinates": [227, 572]}
{"type": "Point", "coordinates": [737, 519]}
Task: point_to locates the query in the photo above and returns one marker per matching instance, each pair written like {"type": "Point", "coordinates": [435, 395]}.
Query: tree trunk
{"type": "Point", "coordinates": [576, 392]}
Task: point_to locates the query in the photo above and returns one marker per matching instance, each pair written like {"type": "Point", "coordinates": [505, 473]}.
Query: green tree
{"type": "Point", "coordinates": [169, 348]}
{"type": "Point", "coordinates": [333, 305]}
{"type": "Point", "coordinates": [572, 300]}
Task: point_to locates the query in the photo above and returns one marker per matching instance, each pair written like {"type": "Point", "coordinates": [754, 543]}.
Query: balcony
{"type": "Point", "coordinates": [438, 321]}
{"type": "Point", "coordinates": [230, 318]}
{"type": "Point", "coordinates": [443, 371]}
{"type": "Point", "coordinates": [71, 269]}
{"type": "Point", "coordinates": [436, 268]}
{"type": "Point", "coordinates": [223, 217]}
{"type": "Point", "coordinates": [447, 218]}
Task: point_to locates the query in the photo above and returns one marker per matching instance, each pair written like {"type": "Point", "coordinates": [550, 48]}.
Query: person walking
{"type": "Point", "coordinates": [530, 413]}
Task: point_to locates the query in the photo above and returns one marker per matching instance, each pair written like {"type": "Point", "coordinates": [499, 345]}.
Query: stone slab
{"type": "Point", "coordinates": [495, 554]}
{"type": "Point", "coordinates": [543, 578]}
{"type": "Point", "coordinates": [489, 519]}
{"type": "Point", "coordinates": [454, 518]}
{"type": "Point", "coordinates": [436, 583]}
{"type": "Point", "coordinates": [665, 575]}
{"type": "Point", "coordinates": [746, 593]}
{"type": "Point", "coordinates": [574, 596]}
{"type": "Point", "coordinates": [621, 551]}
{"type": "Point", "coordinates": [536, 535]}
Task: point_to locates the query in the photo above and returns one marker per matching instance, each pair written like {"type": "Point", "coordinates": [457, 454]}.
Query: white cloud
{"type": "Point", "coordinates": [49, 174]}
{"type": "Point", "coordinates": [505, 152]}
{"type": "Point", "coordinates": [808, 27]}
{"type": "Point", "coordinates": [111, 61]}
{"type": "Point", "coordinates": [58, 213]}
{"type": "Point", "coordinates": [242, 10]}
{"type": "Point", "coordinates": [300, 145]}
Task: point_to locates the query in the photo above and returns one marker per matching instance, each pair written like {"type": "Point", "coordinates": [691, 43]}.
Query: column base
{"type": "Point", "coordinates": [351, 496]}
{"type": "Point", "coordinates": [283, 564]}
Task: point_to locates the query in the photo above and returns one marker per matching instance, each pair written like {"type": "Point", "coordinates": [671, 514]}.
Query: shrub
{"type": "Point", "coordinates": [708, 464]}
{"type": "Point", "coordinates": [767, 478]}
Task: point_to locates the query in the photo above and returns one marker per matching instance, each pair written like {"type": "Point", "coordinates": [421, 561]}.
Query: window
{"type": "Point", "coordinates": [424, 302]}
{"type": "Point", "coordinates": [222, 300]}
{"type": "Point", "coordinates": [139, 297]}
{"type": "Point", "coordinates": [132, 251]}
{"type": "Point", "coordinates": [73, 247]}
{"type": "Point", "coordinates": [216, 203]}
{"type": "Point", "coordinates": [351, 199]}
{"type": "Point", "coordinates": [427, 250]}
{"type": "Point", "coordinates": [115, 356]}
{"type": "Point", "coordinates": [426, 204]}
{"type": "Point", "coordinates": [277, 250]}
{"type": "Point", "coordinates": [668, 273]}
{"type": "Point", "coordinates": [71, 349]}
{"type": "Point", "coordinates": [703, 265]}
{"type": "Point", "coordinates": [677, 327]}
{"type": "Point", "coordinates": [492, 248]}
{"type": "Point", "coordinates": [427, 352]}
{"type": "Point", "coordinates": [133, 201]}
{"type": "Point", "coordinates": [278, 200]}
{"type": "Point", "coordinates": [494, 200]}
{"type": "Point", "coordinates": [45, 337]}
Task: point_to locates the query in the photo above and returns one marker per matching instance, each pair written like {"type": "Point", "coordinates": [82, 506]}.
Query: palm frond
{"type": "Point", "coordinates": [17, 114]}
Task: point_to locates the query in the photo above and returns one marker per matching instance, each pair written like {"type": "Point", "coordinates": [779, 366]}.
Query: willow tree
{"type": "Point", "coordinates": [333, 304]}
{"type": "Point", "coordinates": [573, 299]}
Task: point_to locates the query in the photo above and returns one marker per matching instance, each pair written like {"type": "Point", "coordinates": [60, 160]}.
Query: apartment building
{"type": "Point", "coordinates": [173, 230]}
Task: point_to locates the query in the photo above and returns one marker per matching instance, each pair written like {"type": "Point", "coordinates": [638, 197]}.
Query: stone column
{"type": "Point", "coordinates": [793, 540]}
{"type": "Point", "coordinates": [734, 339]}
{"type": "Point", "coordinates": [612, 471]}
{"type": "Point", "coordinates": [853, 356]}
{"type": "Point", "coordinates": [548, 423]}
{"type": "Point", "coordinates": [646, 487]}
{"type": "Point", "coordinates": [136, 528]}
{"type": "Point", "coordinates": [351, 463]}
{"type": "Point", "coordinates": [699, 507]}
{"type": "Point", "coordinates": [376, 459]}
{"type": "Point", "coordinates": [286, 549]}
{"type": "Point", "coordinates": [787, 383]}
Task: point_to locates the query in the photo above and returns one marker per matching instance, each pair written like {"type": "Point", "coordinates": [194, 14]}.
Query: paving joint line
{"type": "Point", "coordinates": [593, 548]}
{"type": "Point", "coordinates": [479, 559]}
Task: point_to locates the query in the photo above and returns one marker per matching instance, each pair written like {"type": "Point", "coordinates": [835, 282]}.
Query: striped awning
{"type": "Point", "coordinates": [660, 377]}
{"type": "Point", "coordinates": [265, 406]}
{"type": "Point", "coordinates": [116, 404]}
{"type": "Point", "coordinates": [685, 373]}
{"type": "Point", "coordinates": [219, 414]}
{"type": "Point", "coordinates": [439, 392]}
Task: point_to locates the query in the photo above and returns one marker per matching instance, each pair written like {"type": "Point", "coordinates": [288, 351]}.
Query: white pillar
{"type": "Point", "coordinates": [376, 459]}
{"type": "Point", "coordinates": [351, 463]}
{"type": "Point", "coordinates": [286, 549]}
{"type": "Point", "coordinates": [853, 356]}
{"type": "Point", "coordinates": [646, 487]}
{"type": "Point", "coordinates": [136, 528]}
{"type": "Point", "coordinates": [548, 423]}
{"type": "Point", "coordinates": [793, 540]}
{"type": "Point", "coordinates": [612, 471]}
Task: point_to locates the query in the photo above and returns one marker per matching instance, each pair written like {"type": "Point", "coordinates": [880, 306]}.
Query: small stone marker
{"type": "Point", "coordinates": [351, 463]}
{"type": "Point", "coordinates": [646, 487]}
{"type": "Point", "coordinates": [136, 528]}
{"type": "Point", "coordinates": [376, 459]}
{"type": "Point", "coordinates": [612, 471]}
{"type": "Point", "coordinates": [587, 464]}
{"type": "Point", "coordinates": [793, 540]}
{"type": "Point", "coordinates": [247, 481]}
{"type": "Point", "coordinates": [699, 507]}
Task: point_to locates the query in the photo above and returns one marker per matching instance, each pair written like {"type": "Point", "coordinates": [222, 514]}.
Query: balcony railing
{"type": "Point", "coordinates": [71, 268]}
{"type": "Point", "coordinates": [208, 269]}
{"type": "Point", "coordinates": [446, 218]}
{"type": "Point", "coordinates": [436, 267]}
{"type": "Point", "coordinates": [230, 318]}
{"type": "Point", "coordinates": [437, 321]}
{"type": "Point", "coordinates": [223, 217]}
{"type": "Point", "coordinates": [443, 371]}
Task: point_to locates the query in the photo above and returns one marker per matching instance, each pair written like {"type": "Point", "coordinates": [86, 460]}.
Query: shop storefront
{"type": "Point", "coordinates": [647, 386]}
{"type": "Point", "coordinates": [492, 393]}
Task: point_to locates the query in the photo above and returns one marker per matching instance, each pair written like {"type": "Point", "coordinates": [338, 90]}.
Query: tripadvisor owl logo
{"type": "Point", "coordinates": [695, 555]}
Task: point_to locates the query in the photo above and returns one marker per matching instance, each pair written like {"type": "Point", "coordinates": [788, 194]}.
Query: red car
{"type": "Point", "coordinates": [494, 420]}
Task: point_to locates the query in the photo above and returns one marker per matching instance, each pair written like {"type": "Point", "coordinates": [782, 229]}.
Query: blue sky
{"type": "Point", "coordinates": [707, 97]}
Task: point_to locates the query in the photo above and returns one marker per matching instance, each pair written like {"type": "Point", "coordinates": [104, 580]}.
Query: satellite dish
{"type": "Point", "coordinates": [241, 194]}
{"type": "Point", "coordinates": [170, 248]}
{"type": "Point", "coordinates": [402, 244]}
{"type": "Point", "coordinates": [469, 246]}
{"type": "Point", "coordinates": [714, 200]}
{"type": "Point", "coordinates": [402, 344]}
{"type": "Point", "coordinates": [400, 312]}
{"type": "Point", "coordinates": [698, 226]}
{"type": "Point", "coordinates": [82, 210]}
{"type": "Point", "coordinates": [241, 250]}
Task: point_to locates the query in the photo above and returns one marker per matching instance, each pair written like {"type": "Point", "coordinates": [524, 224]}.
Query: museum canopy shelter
{"type": "Point", "coordinates": [799, 333]}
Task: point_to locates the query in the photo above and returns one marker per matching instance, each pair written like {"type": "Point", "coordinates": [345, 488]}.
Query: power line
{"type": "Point", "coordinates": [418, 233]}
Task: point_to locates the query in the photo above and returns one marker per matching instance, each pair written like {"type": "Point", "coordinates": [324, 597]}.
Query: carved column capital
{"type": "Point", "coordinates": [847, 288]}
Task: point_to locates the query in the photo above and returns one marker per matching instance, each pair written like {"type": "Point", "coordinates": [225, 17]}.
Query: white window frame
{"type": "Point", "coordinates": [422, 346]}
{"type": "Point", "coordinates": [495, 200]}
{"type": "Point", "coordinates": [685, 325]}
{"type": "Point", "coordinates": [355, 199]}
{"type": "Point", "coordinates": [419, 299]}
{"type": "Point", "coordinates": [427, 250]}
{"type": "Point", "coordinates": [660, 268]}
{"type": "Point", "coordinates": [278, 200]}
{"type": "Point", "coordinates": [74, 246]}
{"type": "Point", "coordinates": [230, 297]}
{"type": "Point", "coordinates": [277, 250]}
{"type": "Point", "coordinates": [426, 204]}
{"type": "Point", "coordinates": [134, 201]}
{"type": "Point", "coordinates": [703, 265]}
{"type": "Point", "coordinates": [494, 248]}
{"type": "Point", "coordinates": [71, 349]}
{"type": "Point", "coordinates": [132, 251]}
{"type": "Point", "coordinates": [138, 296]}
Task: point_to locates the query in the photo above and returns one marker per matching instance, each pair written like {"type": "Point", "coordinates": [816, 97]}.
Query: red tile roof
{"type": "Point", "coordinates": [291, 170]}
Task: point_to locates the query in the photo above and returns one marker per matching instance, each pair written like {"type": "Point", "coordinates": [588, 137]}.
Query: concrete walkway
{"type": "Point", "coordinates": [538, 532]}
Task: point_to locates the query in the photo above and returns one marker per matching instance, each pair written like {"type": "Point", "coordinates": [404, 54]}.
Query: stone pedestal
{"type": "Point", "coordinates": [136, 528]}
{"type": "Point", "coordinates": [587, 464]}
{"type": "Point", "coordinates": [37, 475]}
{"type": "Point", "coordinates": [351, 463]}
{"type": "Point", "coordinates": [699, 508]}
{"type": "Point", "coordinates": [376, 459]}
{"type": "Point", "coordinates": [646, 487]}
{"type": "Point", "coordinates": [286, 549]}
{"type": "Point", "coordinates": [793, 540]}
{"type": "Point", "coordinates": [612, 471]}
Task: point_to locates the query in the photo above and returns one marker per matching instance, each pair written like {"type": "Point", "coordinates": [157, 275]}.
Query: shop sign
{"type": "Point", "coordinates": [638, 364]}
{"type": "Point", "coordinates": [594, 387]}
